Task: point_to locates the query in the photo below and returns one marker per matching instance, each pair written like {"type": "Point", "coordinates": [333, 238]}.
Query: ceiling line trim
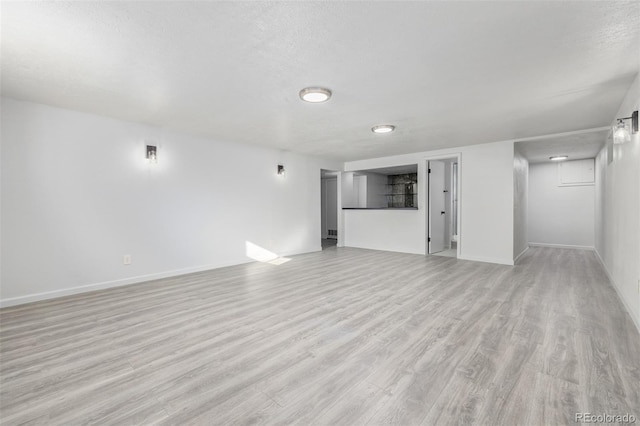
{"type": "Point", "coordinates": [555, 135]}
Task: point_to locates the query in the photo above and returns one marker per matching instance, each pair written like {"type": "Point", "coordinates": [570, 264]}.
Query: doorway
{"type": "Point", "coordinates": [443, 199]}
{"type": "Point", "coordinates": [329, 208]}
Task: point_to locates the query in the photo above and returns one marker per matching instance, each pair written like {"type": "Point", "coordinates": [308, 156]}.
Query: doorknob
{"type": "Point", "coordinates": [442, 212]}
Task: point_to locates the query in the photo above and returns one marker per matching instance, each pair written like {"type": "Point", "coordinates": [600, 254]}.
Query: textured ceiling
{"type": "Point", "coordinates": [576, 146]}
{"type": "Point", "coordinates": [445, 73]}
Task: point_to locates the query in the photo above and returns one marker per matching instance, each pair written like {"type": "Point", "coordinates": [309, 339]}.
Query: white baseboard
{"type": "Point", "coordinates": [520, 255]}
{"type": "Point", "coordinates": [296, 252]}
{"type": "Point", "coordinates": [393, 250]}
{"type": "Point", "coordinates": [565, 246]}
{"type": "Point", "coordinates": [107, 284]}
{"type": "Point", "coordinates": [37, 297]}
{"type": "Point", "coordinates": [636, 321]}
{"type": "Point", "coordinates": [508, 262]}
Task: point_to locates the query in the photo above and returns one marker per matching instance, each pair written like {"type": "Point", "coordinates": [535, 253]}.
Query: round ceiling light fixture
{"type": "Point", "coordinates": [315, 94]}
{"type": "Point", "coordinates": [383, 128]}
{"type": "Point", "coordinates": [558, 157]}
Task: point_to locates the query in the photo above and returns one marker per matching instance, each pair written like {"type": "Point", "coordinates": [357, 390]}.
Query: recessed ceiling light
{"type": "Point", "coordinates": [559, 157]}
{"type": "Point", "coordinates": [315, 94]}
{"type": "Point", "coordinates": [383, 128]}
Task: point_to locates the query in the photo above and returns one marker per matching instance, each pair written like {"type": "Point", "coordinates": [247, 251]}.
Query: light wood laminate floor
{"type": "Point", "coordinates": [339, 337]}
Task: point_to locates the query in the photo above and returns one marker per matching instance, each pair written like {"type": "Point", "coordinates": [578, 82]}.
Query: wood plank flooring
{"type": "Point", "coordinates": [339, 337]}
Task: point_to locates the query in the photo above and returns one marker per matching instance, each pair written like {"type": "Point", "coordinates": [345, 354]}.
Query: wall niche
{"type": "Point", "coordinates": [385, 188]}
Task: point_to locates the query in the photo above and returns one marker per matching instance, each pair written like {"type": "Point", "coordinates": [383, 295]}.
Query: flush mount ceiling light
{"type": "Point", "coordinates": [621, 134]}
{"type": "Point", "coordinates": [558, 157]}
{"type": "Point", "coordinates": [315, 94]}
{"type": "Point", "coordinates": [383, 128]}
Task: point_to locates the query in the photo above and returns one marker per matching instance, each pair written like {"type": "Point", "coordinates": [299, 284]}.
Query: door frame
{"type": "Point", "coordinates": [437, 206]}
{"type": "Point", "coordinates": [457, 156]}
{"type": "Point", "coordinates": [339, 212]}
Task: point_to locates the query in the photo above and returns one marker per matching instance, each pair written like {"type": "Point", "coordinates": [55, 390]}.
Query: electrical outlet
{"type": "Point", "coordinates": [126, 259]}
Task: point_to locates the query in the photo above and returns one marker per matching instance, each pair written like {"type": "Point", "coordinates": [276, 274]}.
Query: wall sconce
{"type": "Point", "coordinates": [152, 154]}
{"type": "Point", "coordinates": [280, 170]}
{"type": "Point", "coordinates": [621, 134]}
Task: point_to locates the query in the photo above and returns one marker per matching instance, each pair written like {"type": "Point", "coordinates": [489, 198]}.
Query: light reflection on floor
{"type": "Point", "coordinates": [261, 254]}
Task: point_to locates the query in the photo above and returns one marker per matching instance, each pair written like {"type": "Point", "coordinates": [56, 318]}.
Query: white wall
{"type": "Point", "coordinates": [349, 192]}
{"type": "Point", "coordinates": [376, 185]}
{"type": "Point", "coordinates": [559, 215]}
{"type": "Point", "coordinates": [486, 203]}
{"type": "Point", "coordinates": [486, 206]}
{"type": "Point", "coordinates": [363, 190]}
{"type": "Point", "coordinates": [520, 203]}
{"type": "Point", "coordinates": [392, 230]}
{"type": "Point", "coordinates": [382, 229]}
{"type": "Point", "coordinates": [77, 195]}
{"type": "Point", "coordinates": [360, 190]}
{"type": "Point", "coordinates": [618, 213]}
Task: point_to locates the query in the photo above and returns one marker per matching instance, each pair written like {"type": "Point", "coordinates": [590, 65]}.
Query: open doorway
{"type": "Point", "coordinates": [329, 208]}
{"type": "Point", "coordinates": [443, 199]}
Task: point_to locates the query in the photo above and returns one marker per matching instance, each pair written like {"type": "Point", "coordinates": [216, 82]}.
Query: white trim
{"type": "Point", "coordinates": [317, 247]}
{"type": "Point", "coordinates": [458, 157]}
{"type": "Point", "coordinates": [341, 228]}
{"type": "Point", "coordinates": [564, 246]}
{"type": "Point", "coordinates": [20, 300]}
{"type": "Point", "coordinates": [455, 154]}
{"type": "Point", "coordinates": [562, 185]}
{"type": "Point", "coordinates": [385, 249]}
{"type": "Point", "coordinates": [508, 262]}
{"type": "Point", "coordinates": [105, 285]}
{"type": "Point", "coordinates": [520, 255]}
{"type": "Point", "coordinates": [556, 135]}
{"type": "Point", "coordinates": [636, 321]}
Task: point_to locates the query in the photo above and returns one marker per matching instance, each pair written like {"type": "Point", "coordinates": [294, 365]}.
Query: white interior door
{"type": "Point", "coordinates": [436, 207]}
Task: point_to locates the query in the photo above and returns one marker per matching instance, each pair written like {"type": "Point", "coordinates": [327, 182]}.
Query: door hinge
{"type": "Point", "coordinates": [429, 239]}
{"type": "Point", "coordinates": [429, 170]}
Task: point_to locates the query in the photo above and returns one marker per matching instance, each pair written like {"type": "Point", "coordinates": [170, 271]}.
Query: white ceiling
{"type": "Point", "coordinates": [445, 73]}
{"type": "Point", "coordinates": [395, 170]}
{"type": "Point", "coordinates": [577, 146]}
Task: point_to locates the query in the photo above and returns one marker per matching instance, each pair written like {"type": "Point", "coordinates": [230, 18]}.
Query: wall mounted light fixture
{"type": "Point", "coordinates": [280, 170]}
{"type": "Point", "coordinates": [621, 134]}
{"type": "Point", "coordinates": [152, 154]}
